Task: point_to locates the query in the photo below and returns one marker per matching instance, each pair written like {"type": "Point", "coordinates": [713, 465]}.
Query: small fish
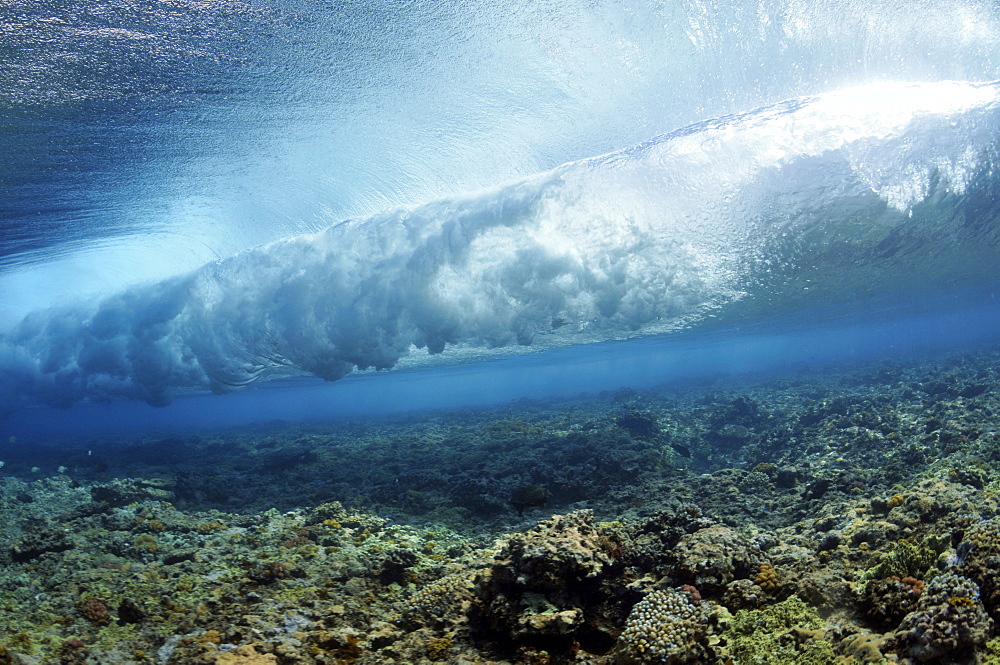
{"type": "Point", "coordinates": [681, 450]}
{"type": "Point", "coordinates": [529, 497]}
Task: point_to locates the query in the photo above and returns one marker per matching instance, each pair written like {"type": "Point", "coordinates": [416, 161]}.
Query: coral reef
{"type": "Point", "coordinates": [841, 518]}
{"type": "Point", "coordinates": [977, 558]}
{"type": "Point", "coordinates": [713, 556]}
{"type": "Point", "coordinates": [546, 582]}
{"type": "Point", "coordinates": [787, 633]}
{"type": "Point", "coordinates": [885, 602]}
{"type": "Point", "coordinates": [443, 601]}
{"type": "Point", "coordinates": [910, 557]}
{"type": "Point", "coordinates": [666, 627]}
{"type": "Point", "coordinates": [949, 618]}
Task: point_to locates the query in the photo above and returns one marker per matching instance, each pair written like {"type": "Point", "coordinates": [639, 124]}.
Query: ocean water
{"type": "Point", "coordinates": [506, 332]}
{"type": "Point", "coordinates": [216, 213]}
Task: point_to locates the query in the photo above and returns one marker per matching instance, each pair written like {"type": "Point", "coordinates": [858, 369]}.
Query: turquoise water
{"type": "Point", "coordinates": [216, 209]}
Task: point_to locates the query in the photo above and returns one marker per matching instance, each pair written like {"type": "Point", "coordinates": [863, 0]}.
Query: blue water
{"type": "Point", "coordinates": [210, 211]}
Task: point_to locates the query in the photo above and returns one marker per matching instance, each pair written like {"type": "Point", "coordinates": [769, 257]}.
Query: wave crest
{"type": "Point", "coordinates": [693, 224]}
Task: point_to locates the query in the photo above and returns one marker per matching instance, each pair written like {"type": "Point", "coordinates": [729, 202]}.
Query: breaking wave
{"type": "Point", "coordinates": [878, 191]}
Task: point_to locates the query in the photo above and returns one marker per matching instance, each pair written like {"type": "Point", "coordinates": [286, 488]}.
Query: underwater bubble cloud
{"type": "Point", "coordinates": [724, 220]}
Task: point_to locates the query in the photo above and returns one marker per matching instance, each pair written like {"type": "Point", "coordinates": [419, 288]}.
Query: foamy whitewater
{"type": "Point", "coordinates": [639, 241]}
{"type": "Point", "coordinates": [873, 185]}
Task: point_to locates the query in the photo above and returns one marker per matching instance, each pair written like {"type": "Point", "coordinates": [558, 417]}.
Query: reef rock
{"type": "Point", "coordinates": [557, 554]}
{"type": "Point", "coordinates": [712, 557]}
{"type": "Point", "coordinates": [542, 582]}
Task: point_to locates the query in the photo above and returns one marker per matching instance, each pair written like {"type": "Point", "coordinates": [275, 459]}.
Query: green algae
{"type": "Point", "coordinates": [113, 634]}
{"type": "Point", "coordinates": [991, 653]}
{"type": "Point", "coordinates": [788, 633]}
{"type": "Point", "coordinates": [912, 557]}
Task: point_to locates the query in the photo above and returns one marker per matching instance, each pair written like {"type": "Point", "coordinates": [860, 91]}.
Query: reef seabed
{"type": "Point", "coordinates": [849, 516]}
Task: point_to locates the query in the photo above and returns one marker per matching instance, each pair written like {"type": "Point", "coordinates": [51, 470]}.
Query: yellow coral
{"type": "Point", "coordinates": [146, 543]}
{"type": "Point", "coordinates": [245, 655]}
{"type": "Point", "coordinates": [438, 649]}
{"type": "Point", "coordinates": [767, 577]}
{"type": "Point", "coordinates": [895, 500]}
{"type": "Point", "coordinates": [211, 527]}
{"type": "Point", "coordinates": [212, 636]}
{"type": "Point", "coordinates": [961, 601]}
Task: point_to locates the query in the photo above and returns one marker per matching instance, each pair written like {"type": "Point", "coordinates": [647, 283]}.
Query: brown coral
{"type": "Point", "coordinates": [767, 577]}
{"type": "Point", "coordinates": [73, 652]}
{"type": "Point", "coordinates": [543, 582]}
{"type": "Point", "coordinates": [439, 648]}
{"type": "Point", "coordinates": [714, 556]}
{"type": "Point", "coordinates": [246, 655]}
{"type": "Point", "coordinates": [95, 610]}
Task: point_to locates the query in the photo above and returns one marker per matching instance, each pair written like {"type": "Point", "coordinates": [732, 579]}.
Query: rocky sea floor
{"type": "Point", "coordinates": [848, 516]}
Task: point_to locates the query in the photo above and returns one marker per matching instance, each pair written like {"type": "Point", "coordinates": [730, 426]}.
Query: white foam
{"type": "Point", "coordinates": [634, 242]}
